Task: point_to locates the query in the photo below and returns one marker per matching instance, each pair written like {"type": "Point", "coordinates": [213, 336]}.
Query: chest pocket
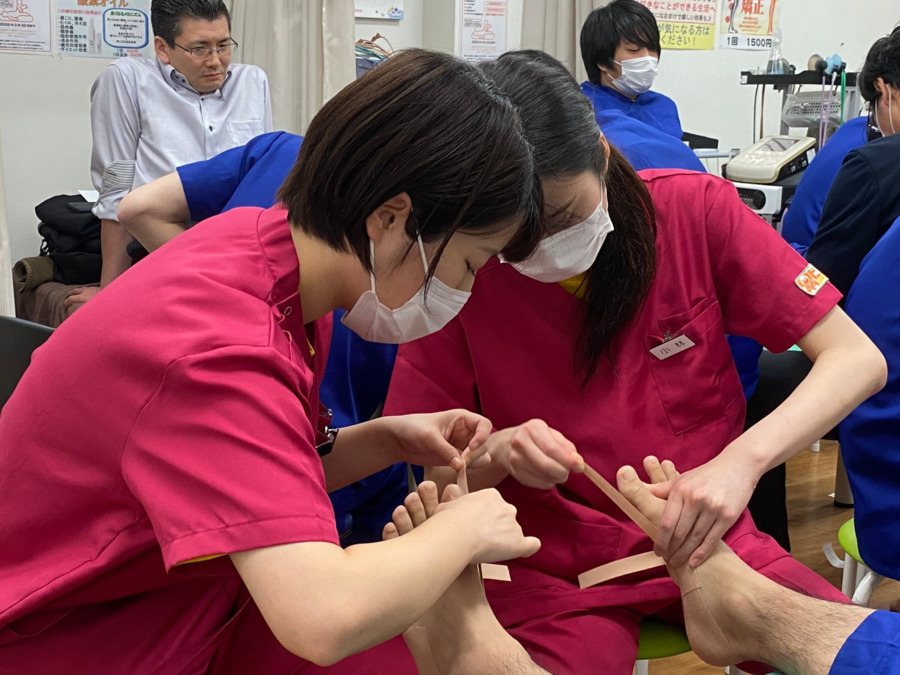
{"type": "Point", "coordinates": [698, 384]}
{"type": "Point", "coordinates": [241, 132]}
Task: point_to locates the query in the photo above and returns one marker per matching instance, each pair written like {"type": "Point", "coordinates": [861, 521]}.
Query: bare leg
{"type": "Point", "coordinates": [464, 636]}
{"type": "Point", "coordinates": [735, 614]}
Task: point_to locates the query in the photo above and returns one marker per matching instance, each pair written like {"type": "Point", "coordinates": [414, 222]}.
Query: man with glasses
{"type": "Point", "coordinates": [148, 117]}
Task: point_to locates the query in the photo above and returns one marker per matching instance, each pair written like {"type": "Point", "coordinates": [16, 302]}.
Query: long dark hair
{"type": "Point", "coordinates": [559, 122]}
{"type": "Point", "coordinates": [432, 126]}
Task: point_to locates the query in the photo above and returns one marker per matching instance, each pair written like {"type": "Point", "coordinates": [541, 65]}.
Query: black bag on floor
{"type": "Point", "coordinates": [71, 236]}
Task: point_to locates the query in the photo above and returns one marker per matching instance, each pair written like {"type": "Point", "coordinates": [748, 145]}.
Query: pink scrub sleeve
{"type": "Point", "coordinates": [222, 456]}
{"type": "Point", "coordinates": [755, 273]}
{"type": "Point", "coordinates": [433, 374]}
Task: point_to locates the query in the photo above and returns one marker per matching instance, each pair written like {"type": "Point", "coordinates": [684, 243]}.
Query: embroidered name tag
{"type": "Point", "coordinates": [671, 347]}
{"type": "Point", "coordinates": [810, 280]}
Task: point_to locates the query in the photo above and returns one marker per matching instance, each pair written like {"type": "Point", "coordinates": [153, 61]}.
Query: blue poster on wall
{"type": "Point", "coordinates": [104, 28]}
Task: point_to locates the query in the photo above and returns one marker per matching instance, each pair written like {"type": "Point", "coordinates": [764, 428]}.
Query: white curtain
{"type": "Point", "coordinates": [306, 48]}
{"type": "Point", "coordinates": [555, 27]}
{"type": "Point", "coordinates": [7, 304]}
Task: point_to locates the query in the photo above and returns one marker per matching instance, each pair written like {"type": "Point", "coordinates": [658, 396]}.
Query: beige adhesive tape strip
{"type": "Point", "coordinates": [619, 568]}
{"type": "Point", "coordinates": [462, 480]}
{"type": "Point", "coordinates": [639, 519]}
{"type": "Point", "coordinates": [495, 572]}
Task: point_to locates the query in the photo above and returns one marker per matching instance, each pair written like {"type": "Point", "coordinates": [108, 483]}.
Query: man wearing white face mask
{"type": "Point", "coordinates": [620, 49]}
{"type": "Point", "coordinates": [864, 199]}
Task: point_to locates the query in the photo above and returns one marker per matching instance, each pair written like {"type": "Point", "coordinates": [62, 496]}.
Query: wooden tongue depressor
{"type": "Point", "coordinates": [631, 564]}
{"type": "Point", "coordinates": [616, 497]}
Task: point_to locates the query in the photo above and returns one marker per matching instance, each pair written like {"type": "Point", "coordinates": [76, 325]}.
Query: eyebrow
{"type": "Point", "coordinates": [206, 43]}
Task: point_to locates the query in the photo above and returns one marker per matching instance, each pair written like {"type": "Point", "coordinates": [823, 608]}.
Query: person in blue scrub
{"type": "Point", "coordinates": [644, 146]}
{"type": "Point", "coordinates": [358, 372]}
{"type": "Point", "coordinates": [870, 435]}
{"type": "Point", "coordinates": [620, 49]}
{"type": "Point", "coordinates": [801, 220]}
{"type": "Point", "coordinates": [864, 199]}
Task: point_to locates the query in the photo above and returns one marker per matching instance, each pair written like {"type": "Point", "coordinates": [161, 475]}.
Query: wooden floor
{"type": "Point", "coordinates": [814, 521]}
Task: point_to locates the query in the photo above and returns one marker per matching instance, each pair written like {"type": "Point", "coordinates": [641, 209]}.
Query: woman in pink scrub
{"type": "Point", "coordinates": [614, 333]}
{"type": "Point", "coordinates": [164, 502]}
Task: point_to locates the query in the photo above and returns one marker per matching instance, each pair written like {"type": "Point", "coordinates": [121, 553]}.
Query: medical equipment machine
{"type": "Point", "coordinates": [772, 159]}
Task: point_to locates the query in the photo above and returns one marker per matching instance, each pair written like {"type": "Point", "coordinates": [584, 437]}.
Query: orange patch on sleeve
{"type": "Point", "coordinates": [810, 280]}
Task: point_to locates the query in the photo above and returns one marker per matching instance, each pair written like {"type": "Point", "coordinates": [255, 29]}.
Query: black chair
{"type": "Point", "coordinates": [18, 339]}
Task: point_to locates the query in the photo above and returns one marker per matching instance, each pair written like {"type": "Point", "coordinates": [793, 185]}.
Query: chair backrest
{"type": "Point", "coordinates": [18, 339]}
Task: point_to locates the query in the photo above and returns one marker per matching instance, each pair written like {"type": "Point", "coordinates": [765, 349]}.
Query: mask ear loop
{"type": "Point", "coordinates": [890, 110]}
{"type": "Point", "coordinates": [372, 261]}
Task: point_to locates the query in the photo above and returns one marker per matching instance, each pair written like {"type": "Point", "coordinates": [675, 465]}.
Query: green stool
{"type": "Point", "coordinates": [658, 640]}
{"type": "Point", "coordinates": [858, 581]}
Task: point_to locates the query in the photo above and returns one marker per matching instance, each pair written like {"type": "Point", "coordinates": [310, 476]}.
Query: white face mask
{"type": "Point", "coordinates": [637, 75]}
{"type": "Point", "coordinates": [570, 252]}
{"type": "Point", "coordinates": [374, 322]}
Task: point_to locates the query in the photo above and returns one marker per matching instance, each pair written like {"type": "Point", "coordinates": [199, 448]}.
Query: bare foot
{"type": "Point", "coordinates": [722, 598]}
{"type": "Point", "coordinates": [463, 636]}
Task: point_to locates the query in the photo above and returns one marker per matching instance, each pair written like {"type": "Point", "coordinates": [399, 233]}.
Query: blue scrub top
{"type": "Point", "coordinates": [358, 372]}
{"type": "Point", "coordinates": [249, 175]}
{"type": "Point", "coordinates": [644, 146]}
{"type": "Point", "coordinates": [874, 647]}
{"type": "Point", "coordinates": [870, 436]}
{"type": "Point", "coordinates": [802, 218]}
{"type": "Point", "coordinates": [651, 108]}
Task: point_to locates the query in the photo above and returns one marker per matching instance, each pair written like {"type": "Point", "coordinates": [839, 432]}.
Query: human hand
{"type": "Point", "coordinates": [77, 297]}
{"type": "Point", "coordinates": [536, 455]}
{"type": "Point", "coordinates": [492, 522]}
{"type": "Point", "coordinates": [702, 505]}
{"type": "Point", "coordinates": [453, 437]}
{"type": "Point", "coordinates": [490, 519]}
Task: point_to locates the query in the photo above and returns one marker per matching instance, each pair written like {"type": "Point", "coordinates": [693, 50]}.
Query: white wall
{"type": "Point", "coordinates": [46, 135]}
{"type": "Point", "coordinates": [402, 34]}
{"type": "Point", "coordinates": [706, 85]}
{"type": "Point", "coordinates": [45, 107]}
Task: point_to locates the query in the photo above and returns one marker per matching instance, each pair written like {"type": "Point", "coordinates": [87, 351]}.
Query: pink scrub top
{"type": "Point", "coordinates": [169, 422]}
{"type": "Point", "coordinates": [511, 355]}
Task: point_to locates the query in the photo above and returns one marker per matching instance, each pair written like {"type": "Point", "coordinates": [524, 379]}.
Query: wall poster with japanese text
{"type": "Point", "coordinates": [684, 25]}
{"type": "Point", "coordinates": [483, 29]}
{"type": "Point", "coordinates": [748, 24]}
{"type": "Point", "coordinates": [25, 25]}
{"type": "Point", "coordinates": [104, 28]}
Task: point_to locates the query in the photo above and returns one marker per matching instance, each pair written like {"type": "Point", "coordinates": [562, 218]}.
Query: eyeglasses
{"type": "Point", "coordinates": [205, 52]}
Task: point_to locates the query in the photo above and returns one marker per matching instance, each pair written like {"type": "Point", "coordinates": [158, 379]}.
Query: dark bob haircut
{"type": "Point", "coordinates": [883, 60]}
{"type": "Point", "coordinates": [606, 27]}
{"type": "Point", "coordinates": [429, 125]}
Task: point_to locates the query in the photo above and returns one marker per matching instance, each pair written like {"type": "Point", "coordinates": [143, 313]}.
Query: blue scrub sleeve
{"type": "Point", "coordinates": [873, 648]}
{"type": "Point", "coordinates": [209, 184]}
